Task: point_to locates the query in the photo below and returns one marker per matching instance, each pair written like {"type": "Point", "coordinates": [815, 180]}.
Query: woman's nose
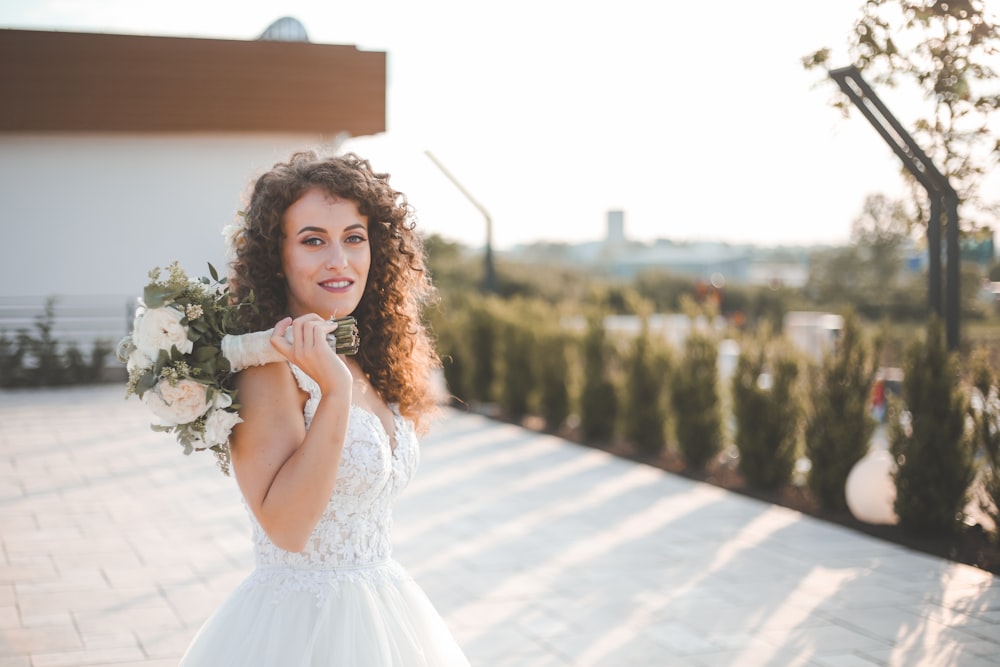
{"type": "Point", "coordinates": [337, 258]}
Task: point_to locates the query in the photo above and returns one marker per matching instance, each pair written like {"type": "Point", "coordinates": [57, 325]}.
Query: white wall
{"type": "Point", "coordinates": [92, 214]}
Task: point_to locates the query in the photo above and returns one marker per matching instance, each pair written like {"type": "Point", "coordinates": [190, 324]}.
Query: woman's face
{"type": "Point", "coordinates": [325, 255]}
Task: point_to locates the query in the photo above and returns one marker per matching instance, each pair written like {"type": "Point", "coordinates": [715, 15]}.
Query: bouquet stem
{"type": "Point", "coordinates": [255, 349]}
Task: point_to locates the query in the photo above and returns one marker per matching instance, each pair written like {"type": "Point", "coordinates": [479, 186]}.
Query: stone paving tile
{"type": "Point", "coordinates": [114, 548]}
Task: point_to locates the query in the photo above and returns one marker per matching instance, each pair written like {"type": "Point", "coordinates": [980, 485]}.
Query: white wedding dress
{"type": "Point", "coordinates": [343, 601]}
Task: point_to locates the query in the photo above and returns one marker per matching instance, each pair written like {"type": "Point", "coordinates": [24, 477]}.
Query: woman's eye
{"type": "Point", "coordinates": [355, 238]}
{"type": "Point", "coordinates": [312, 240]}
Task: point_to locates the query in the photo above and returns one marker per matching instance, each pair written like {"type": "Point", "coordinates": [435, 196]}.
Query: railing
{"type": "Point", "coordinates": [76, 320]}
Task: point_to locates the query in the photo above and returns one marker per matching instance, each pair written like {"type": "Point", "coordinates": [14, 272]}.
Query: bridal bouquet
{"type": "Point", "coordinates": [184, 347]}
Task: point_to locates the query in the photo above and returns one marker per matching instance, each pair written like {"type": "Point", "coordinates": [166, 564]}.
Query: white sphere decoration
{"type": "Point", "coordinates": [870, 489]}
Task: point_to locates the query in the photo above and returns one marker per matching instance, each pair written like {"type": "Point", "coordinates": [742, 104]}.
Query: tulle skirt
{"type": "Point", "coordinates": [367, 616]}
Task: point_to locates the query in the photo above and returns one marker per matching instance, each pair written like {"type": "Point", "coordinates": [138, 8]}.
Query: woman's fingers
{"type": "Point", "coordinates": [301, 336]}
{"type": "Point", "coordinates": [311, 330]}
{"type": "Point", "coordinates": [279, 338]}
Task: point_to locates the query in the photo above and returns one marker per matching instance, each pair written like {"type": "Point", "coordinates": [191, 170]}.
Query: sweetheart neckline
{"type": "Point", "coordinates": [393, 439]}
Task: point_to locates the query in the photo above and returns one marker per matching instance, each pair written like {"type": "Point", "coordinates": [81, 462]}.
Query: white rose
{"type": "Point", "coordinates": [181, 403]}
{"type": "Point", "coordinates": [218, 426]}
{"type": "Point", "coordinates": [158, 329]}
{"type": "Point", "coordinates": [137, 360]}
{"type": "Point", "coordinates": [222, 400]}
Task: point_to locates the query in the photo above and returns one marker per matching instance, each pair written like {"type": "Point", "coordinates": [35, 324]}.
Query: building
{"type": "Point", "coordinates": [701, 260]}
{"type": "Point", "coordinates": [119, 153]}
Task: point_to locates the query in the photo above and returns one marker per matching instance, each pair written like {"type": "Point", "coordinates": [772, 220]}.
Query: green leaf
{"type": "Point", "coordinates": [156, 296]}
{"type": "Point", "coordinates": [213, 272]}
{"type": "Point", "coordinates": [205, 353]}
{"type": "Point", "coordinates": [145, 383]}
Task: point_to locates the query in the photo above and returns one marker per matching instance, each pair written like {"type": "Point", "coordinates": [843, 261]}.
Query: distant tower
{"type": "Point", "coordinates": [616, 228]}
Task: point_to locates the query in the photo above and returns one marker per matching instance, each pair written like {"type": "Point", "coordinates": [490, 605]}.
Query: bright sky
{"type": "Point", "coordinates": [696, 119]}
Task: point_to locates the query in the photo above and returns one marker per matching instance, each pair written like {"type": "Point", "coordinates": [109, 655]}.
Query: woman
{"type": "Point", "coordinates": [327, 441]}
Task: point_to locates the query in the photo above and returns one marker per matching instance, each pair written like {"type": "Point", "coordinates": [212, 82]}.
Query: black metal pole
{"type": "Point", "coordinates": [934, 255]}
{"type": "Point", "coordinates": [935, 183]}
{"type": "Point", "coordinates": [489, 271]}
{"type": "Point", "coordinates": [952, 283]}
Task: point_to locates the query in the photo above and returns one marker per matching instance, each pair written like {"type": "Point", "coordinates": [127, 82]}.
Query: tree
{"type": "Point", "coordinates": [840, 425]}
{"type": "Point", "coordinates": [645, 381]}
{"type": "Point", "coordinates": [767, 413]}
{"type": "Point", "coordinates": [984, 410]}
{"type": "Point", "coordinates": [598, 399]}
{"type": "Point", "coordinates": [948, 50]}
{"type": "Point", "coordinates": [696, 403]}
{"type": "Point", "coordinates": [869, 274]}
{"type": "Point", "coordinates": [517, 372]}
{"type": "Point", "coordinates": [553, 376]}
{"type": "Point", "coordinates": [933, 451]}
{"type": "Point", "coordinates": [879, 234]}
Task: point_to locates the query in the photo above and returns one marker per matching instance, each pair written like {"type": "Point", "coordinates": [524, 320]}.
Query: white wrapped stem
{"type": "Point", "coordinates": [255, 349]}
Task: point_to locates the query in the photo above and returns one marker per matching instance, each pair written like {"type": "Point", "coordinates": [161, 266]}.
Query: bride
{"type": "Point", "coordinates": [327, 442]}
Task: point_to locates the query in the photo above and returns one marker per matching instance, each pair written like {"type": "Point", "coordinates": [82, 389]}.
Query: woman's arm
{"type": "Point", "coordinates": [285, 472]}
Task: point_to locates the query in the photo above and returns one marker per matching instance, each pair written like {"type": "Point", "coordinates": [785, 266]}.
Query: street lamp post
{"type": "Point", "coordinates": [942, 196]}
{"type": "Point", "coordinates": [489, 274]}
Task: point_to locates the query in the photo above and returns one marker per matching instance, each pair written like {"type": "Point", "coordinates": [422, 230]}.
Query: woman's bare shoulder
{"type": "Point", "coordinates": [269, 394]}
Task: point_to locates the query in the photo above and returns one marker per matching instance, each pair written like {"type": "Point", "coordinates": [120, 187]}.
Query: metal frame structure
{"type": "Point", "coordinates": [942, 196]}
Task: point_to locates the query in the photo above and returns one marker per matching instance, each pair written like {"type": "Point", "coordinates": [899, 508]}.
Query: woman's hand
{"type": "Point", "coordinates": [310, 351]}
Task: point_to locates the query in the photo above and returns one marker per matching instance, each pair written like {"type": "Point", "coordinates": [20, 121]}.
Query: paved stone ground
{"type": "Point", "coordinates": [538, 552]}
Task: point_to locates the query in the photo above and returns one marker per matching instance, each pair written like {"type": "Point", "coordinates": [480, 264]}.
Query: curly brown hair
{"type": "Point", "coordinates": [396, 353]}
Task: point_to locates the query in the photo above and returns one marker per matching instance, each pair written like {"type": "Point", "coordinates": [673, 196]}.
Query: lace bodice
{"type": "Point", "coordinates": [354, 530]}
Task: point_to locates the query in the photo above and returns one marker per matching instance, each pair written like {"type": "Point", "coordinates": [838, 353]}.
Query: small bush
{"type": "Point", "coordinates": [840, 424]}
{"type": "Point", "coordinates": [34, 359]}
{"type": "Point", "coordinates": [598, 399]}
{"type": "Point", "coordinates": [767, 414]}
{"type": "Point", "coordinates": [553, 377]}
{"type": "Point", "coordinates": [450, 336]}
{"type": "Point", "coordinates": [643, 411]}
{"type": "Point", "coordinates": [517, 381]}
{"type": "Point", "coordinates": [985, 414]}
{"type": "Point", "coordinates": [482, 351]}
{"type": "Point", "coordinates": [933, 451]}
{"type": "Point", "coordinates": [695, 401]}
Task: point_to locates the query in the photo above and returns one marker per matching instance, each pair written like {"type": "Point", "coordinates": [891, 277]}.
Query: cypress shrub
{"type": "Point", "coordinates": [643, 410]}
{"type": "Point", "coordinates": [553, 377]}
{"type": "Point", "coordinates": [695, 401]}
{"type": "Point", "coordinates": [767, 414]}
{"type": "Point", "coordinates": [80, 369]}
{"type": "Point", "coordinates": [482, 342]}
{"type": "Point", "coordinates": [517, 378]}
{"type": "Point", "coordinates": [933, 450]}
{"type": "Point", "coordinates": [34, 359]}
{"type": "Point", "coordinates": [12, 371]}
{"type": "Point", "coordinates": [598, 400]}
{"type": "Point", "coordinates": [453, 354]}
{"type": "Point", "coordinates": [985, 414]}
{"type": "Point", "coordinates": [840, 425]}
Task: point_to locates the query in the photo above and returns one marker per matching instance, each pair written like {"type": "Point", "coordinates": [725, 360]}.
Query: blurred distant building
{"type": "Point", "coordinates": [616, 228]}
{"type": "Point", "coordinates": [704, 260]}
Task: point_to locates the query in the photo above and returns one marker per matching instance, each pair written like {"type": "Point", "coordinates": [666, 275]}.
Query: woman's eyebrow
{"type": "Point", "coordinates": [311, 229]}
{"type": "Point", "coordinates": [324, 231]}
